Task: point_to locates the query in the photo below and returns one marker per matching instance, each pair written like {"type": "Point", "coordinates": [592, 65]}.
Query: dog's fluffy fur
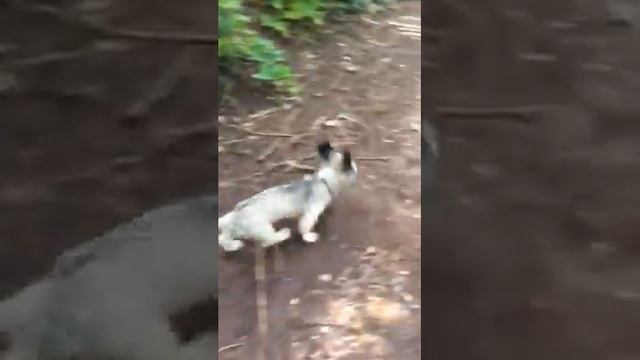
{"type": "Point", "coordinates": [306, 200]}
{"type": "Point", "coordinates": [111, 298]}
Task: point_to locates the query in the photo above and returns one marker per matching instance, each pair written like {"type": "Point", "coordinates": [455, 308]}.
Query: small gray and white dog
{"type": "Point", "coordinates": [305, 200]}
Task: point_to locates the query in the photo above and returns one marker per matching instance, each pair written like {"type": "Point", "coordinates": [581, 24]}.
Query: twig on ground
{"type": "Point", "coordinates": [291, 164]}
{"type": "Point", "coordinates": [293, 115]}
{"type": "Point", "coordinates": [370, 21]}
{"type": "Point", "coordinates": [340, 144]}
{"type": "Point", "coordinates": [410, 34]}
{"type": "Point", "coordinates": [269, 151]}
{"type": "Point", "coordinates": [296, 139]}
{"type": "Point", "coordinates": [273, 147]}
{"type": "Point", "coordinates": [239, 152]}
{"type": "Point", "coordinates": [260, 133]}
{"type": "Point", "coordinates": [231, 142]}
{"type": "Point", "coordinates": [232, 182]}
{"type": "Point", "coordinates": [401, 25]}
{"type": "Point", "coordinates": [367, 129]}
{"type": "Point", "coordinates": [317, 123]}
{"type": "Point", "coordinates": [264, 113]}
{"type": "Point", "coordinates": [230, 347]}
{"type": "Point", "coordinates": [292, 140]}
{"type": "Point", "coordinates": [373, 158]}
{"type": "Point", "coordinates": [294, 165]}
{"type": "Point", "coordinates": [261, 302]}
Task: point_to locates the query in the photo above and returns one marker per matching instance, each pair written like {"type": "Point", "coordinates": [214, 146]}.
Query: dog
{"type": "Point", "coordinates": [111, 298]}
{"type": "Point", "coordinates": [304, 199]}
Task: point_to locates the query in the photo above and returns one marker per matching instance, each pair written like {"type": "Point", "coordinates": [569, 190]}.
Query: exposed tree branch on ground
{"type": "Point", "coordinates": [260, 133]}
{"type": "Point", "coordinates": [230, 347]}
{"type": "Point", "coordinates": [373, 158]}
{"type": "Point", "coordinates": [270, 150]}
{"type": "Point", "coordinates": [292, 140]}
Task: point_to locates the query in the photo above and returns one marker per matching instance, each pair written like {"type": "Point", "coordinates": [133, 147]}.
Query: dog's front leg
{"type": "Point", "coordinates": [308, 221]}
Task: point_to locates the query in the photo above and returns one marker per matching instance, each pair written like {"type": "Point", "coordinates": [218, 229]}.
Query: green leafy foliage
{"type": "Point", "coordinates": [242, 40]}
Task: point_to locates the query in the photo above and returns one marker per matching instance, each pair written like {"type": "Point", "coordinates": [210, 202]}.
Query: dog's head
{"type": "Point", "coordinates": [337, 166]}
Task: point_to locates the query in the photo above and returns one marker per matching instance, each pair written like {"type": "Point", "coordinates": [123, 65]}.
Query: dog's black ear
{"type": "Point", "coordinates": [325, 149]}
{"type": "Point", "coordinates": [346, 161]}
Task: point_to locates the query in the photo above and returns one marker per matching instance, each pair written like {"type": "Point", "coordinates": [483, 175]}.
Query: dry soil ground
{"type": "Point", "coordinates": [356, 293]}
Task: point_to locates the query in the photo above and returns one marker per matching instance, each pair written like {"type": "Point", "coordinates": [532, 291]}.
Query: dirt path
{"type": "Point", "coordinates": [357, 293]}
{"type": "Point", "coordinates": [534, 253]}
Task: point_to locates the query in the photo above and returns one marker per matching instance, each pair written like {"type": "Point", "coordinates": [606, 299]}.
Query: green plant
{"type": "Point", "coordinates": [233, 30]}
{"type": "Point", "coordinates": [240, 43]}
{"type": "Point", "coordinates": [271, 65]}
{"type": "Point", "coordinates": [281, 15]}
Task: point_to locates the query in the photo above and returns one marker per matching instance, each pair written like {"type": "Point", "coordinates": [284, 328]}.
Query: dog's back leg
{"type": "Point", "coordinates": [227, 242]}
{"type": "Point", "coordinates": [267, 236]}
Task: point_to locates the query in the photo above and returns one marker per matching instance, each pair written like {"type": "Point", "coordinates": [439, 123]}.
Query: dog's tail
{"type": "Point", "coordinates": [23, 305]}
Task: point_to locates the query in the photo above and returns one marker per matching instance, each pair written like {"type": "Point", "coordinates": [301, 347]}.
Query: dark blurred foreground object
{"type": "Point", "coordinates": [624, 12]}
{"type": "Point", "coordinates": [113, 297]}
{"type": "Point", "coordinates": [430, 154]}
